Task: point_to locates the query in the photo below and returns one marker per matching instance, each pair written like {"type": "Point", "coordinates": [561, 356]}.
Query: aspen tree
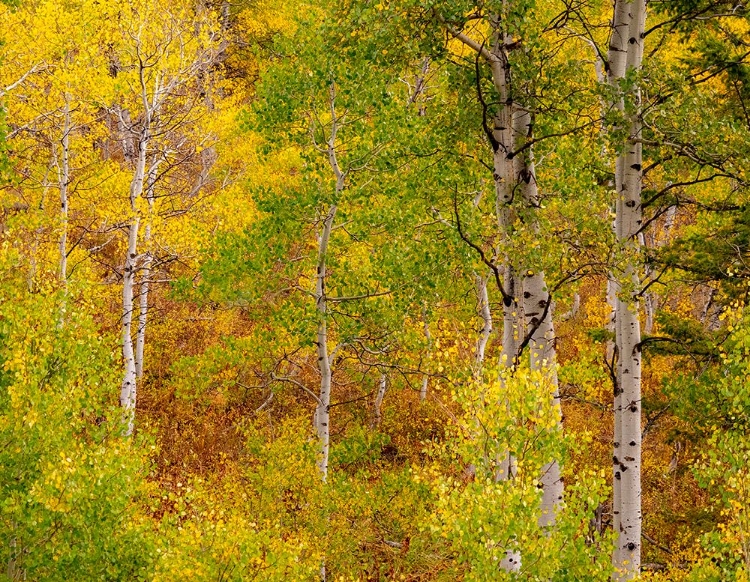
{"type": "Point", "coordinates": [513, 166]}
{"type": "Point", "coordinates": [148, 258]}
{"type": "Point", "coordinates": [625, 56]}
{"type": "Point", "coordinates": [501, 138]}
{"type": "Point", "coordinates": [128, 391]}
{"type": "Point", "coordinates": [50, 110]}
{"type": "Point", "coordinates": [483, 307]}
{"type": "Point", "coordinates": [379, 396]}
{"type": "Point", "coordinates": [164, 60]}
{"type": "Point", "coordinates": [64, 180]}
{"type": "Point", "coordinates": [322, 411]}
{"type": "Point", "coordinates": [537, 310]}
{"type": "Point", "coordinates": [510, 136]}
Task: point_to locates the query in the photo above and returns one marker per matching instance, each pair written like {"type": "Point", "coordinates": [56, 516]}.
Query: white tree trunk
{"type": "Point", "coordinates": [63, 178]}
{"type": "Point", "coordinates": [64, 181]}
{"type": "Point", "coordinates": [322, 411]}
{"type": "Point", "coordinates": [140, 342]}
{"type": "Point", "coordinates": [322, 417]}
{"type": "Point", "coordinates": [378, 405]}
{"type": "Point", "coordinates": [537, 309]}
{"type": "Point", "coordinates": [627, 444]}
{"type": "Point", "coordinates": [483, 307]}
{"type": "Point", "coordinates": [512, 323]}
{"type": "Point", "coordinates": [616, 61]}
{"type": "Point", "coordinates": [505, 180]}
{"type": "Point", "coordinates": [128, 389]}
{"type": "Point", "coordinates": [543, 358]}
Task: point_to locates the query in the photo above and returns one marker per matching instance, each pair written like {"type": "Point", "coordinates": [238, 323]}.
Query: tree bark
{"type": "Point", "coordinates": [537, 309]}
{"type": "Point", "coordinates": [64, 180]}
{"type": "Point", "coordinates": [128, 390]}
{"type": "Point", "coordinates": [616, 62]}
{"type": "Point", "coordinates": [322, 411]}
{"type": "Point", "coordinates": [63, 183]}
{"type": "Point", "coordinates": [626, 54]}
{"type": "Point", "coordinates": [543, 358]}
{"type": "Point", "coordinates": [148, 258]}
{"type": "Point", "coordinates": [378, 405]}
{"type": "Point", "coordinates": [505, 178]}
{"type": "Point", "coordinates": [483, 307]}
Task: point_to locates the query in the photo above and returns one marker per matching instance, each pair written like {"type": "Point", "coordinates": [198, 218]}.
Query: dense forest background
{"type": "Point", "coordinates": [374, 290]}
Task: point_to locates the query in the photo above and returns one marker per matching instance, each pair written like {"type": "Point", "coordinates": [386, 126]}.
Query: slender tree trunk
{"type": "Point", "coordinates": [64, 180]}
{"type": "Point", "coordinates": [628, 27]}
{"type": "Point", "coordinates": [511, 171]}
{"type": "Point", "coordinates": [128, 390]}
{"type": "Point", "coordinates": [378, 405]}
{"type": "Point", "coordinates": [505, 176]}
{"type": "Point", "coordinates": [140, 340]}
{"type": "Point", "coordinates": [616, 63]}
{"type": "Point", "coordinates": [511, 309]}
{"type": "Point", "coordinates": [483, 307]}
{"type": "Point", "coordinates": [148, 258]}
{"type": "Point", "coordinates": [322, 411]}
{"type": "Point", "coordinates": [322, 417]}
{"type": "Point", "coordinates": [574, 309]}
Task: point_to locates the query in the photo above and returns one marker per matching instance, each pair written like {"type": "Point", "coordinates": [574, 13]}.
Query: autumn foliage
{"type": "Point", "coordinates": [273, 275]}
